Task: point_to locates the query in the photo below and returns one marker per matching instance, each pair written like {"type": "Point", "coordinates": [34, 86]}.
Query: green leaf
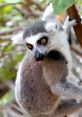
{"type": "Point", "coordinates": [18, 57]}
{"type": "Point", "coordinates": [7, 74]}
{"type": "Point", "coordinates": [7, 8]}
{"type": "Point", "coordinates": [79, 2]}
{"type": "Point", "coordinates": [60, 6]}
{"type": "Point", "coordinates": [12, 1]}
{"type": "Point", "coordinates": [1, 0]}
{"type": "Point", "coordinates": [7, 98]}
{"type": "Point", "coordinates": [7, 48]}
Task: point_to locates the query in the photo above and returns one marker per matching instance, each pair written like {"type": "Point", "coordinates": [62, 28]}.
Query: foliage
{"type": "Point", "coordinates": [13, 17]}
{"type": "Point", "coordinates": [58, 5]}
{"type": "Point", "coordinates": [8, 61]}
{"type": "Point", "coordinates": [61, 5]}
{"type": "Point", "coordinates": [7, 98]}
{"type": "Point", "coordinates": [6, 14]}
{"type": "Point", "coordinates": [12, 1]}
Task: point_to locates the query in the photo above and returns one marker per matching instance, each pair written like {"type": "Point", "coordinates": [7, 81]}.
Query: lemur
{"type": "Point", "coordinates": [43, 76]}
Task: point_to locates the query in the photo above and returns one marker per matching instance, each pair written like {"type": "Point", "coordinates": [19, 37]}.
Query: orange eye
{"type": "Point", "coordinates": [43, 41]}
{"type": "Point", "coordinates": [30, 46]}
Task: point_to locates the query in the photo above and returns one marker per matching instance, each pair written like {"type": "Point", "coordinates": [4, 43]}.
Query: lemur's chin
{"type": "Point", "coordinates": [56, 55]}
{"type": "Point", "coordinates": [40, 59]}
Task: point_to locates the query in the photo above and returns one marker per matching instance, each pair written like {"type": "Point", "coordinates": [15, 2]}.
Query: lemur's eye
{"type": "Point", "coordinates": [43, 41]}
{"type": "Point", "coordinates": [30, 46]}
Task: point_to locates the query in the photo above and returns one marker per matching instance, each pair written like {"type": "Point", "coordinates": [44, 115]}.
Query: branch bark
{"type": "Point", "coordinates": [73, 14]}
{"type": "Point", "coordinates": [76, 51]}
{"type": "Point", "coordinates": [10, 31]}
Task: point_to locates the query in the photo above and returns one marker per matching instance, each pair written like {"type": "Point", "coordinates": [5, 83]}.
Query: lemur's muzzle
{"type": "Point", "coordinates": [39, 56]}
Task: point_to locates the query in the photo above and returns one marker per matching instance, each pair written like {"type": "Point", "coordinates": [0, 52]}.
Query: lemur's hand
{"type": "Point", "coordinates": [69, 23]}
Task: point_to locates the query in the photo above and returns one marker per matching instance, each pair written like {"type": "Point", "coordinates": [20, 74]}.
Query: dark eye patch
{"type": "Point", "coordinates": [30, 46]}
{"type": "Point", "coordinates": [43, 41]}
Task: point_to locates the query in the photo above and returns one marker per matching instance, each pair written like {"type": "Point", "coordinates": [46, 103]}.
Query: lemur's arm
{"type": "Point", "coordinates": [67, 107]}
{"type": "Point", "coordinates": [65, 88]}
{"type": "Point", "coordinates": [68, 24]}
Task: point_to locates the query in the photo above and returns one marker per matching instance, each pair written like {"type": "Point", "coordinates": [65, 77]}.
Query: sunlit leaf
{"type": "Point", "coordinates": [7, 98]}
{"type": "Point", "coordinates": [79, 2]}
{"type": "Point", "coordinates": [8, 48]}
{"type": "Point", "coordinates": [6, 74]}
{"type": "Point", "coordinates": [12, 1]}
{"type": "Point", "coordinates": [7, 8]}
{"type": "Point", "coordinates": [18, 57]}
{"type": "Point", "coordinates": [61, 5]}
{"type": "Point", "coordinates": [1, 0]}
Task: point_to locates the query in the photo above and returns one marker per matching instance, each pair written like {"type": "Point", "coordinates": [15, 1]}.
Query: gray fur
{"type": "Point", "coordinates": [34, 92]}
{"type": "Point", "coordinates": [34, 28]}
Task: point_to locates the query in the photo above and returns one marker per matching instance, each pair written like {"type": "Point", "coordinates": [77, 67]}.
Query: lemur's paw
{"type": "Point", "coordinates": [72, 22]}
{"type": "Point", "coordinates": [69, 23]}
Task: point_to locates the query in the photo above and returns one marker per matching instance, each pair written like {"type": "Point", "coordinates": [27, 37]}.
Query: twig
{"type": "Point", "coordinates": [16, 108]}
{"type": "Point", "coordinates": [5, 38]}
{"type": "Point", "coordinates": [5, 4]}
{"type": "Point", "coordinates": [26, 14]}
{"type": "Point", "coordinates": [35, 3]}
{"type": "Point", "coordinates": [26, 11]}
{"type": "Point", "coordinates": [10, 31]}
{"type": "Point", "coordinates": [76, 51]}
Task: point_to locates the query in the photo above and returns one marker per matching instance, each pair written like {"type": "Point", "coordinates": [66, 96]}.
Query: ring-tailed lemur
{"type": "Point", "coordinates": [42, 78]}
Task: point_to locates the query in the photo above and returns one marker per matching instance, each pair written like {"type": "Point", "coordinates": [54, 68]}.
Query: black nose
{"type": "Point", "coordinates": [39, 56]}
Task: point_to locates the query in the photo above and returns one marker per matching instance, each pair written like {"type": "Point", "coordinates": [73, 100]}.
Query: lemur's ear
{"type": "Point", "coordinates": [48, 14]}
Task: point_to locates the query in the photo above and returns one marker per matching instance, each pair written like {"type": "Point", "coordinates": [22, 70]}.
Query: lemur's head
{"type": "Point", "coordinates": [46, 37]}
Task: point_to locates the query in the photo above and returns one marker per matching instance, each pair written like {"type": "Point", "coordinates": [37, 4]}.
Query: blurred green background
{"type": "Point", "coordinates": [13, 19]}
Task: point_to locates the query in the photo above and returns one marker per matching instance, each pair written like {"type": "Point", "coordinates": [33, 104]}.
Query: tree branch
{"type": "Point", "coordinates": [73, 14]}
{"type": "Point", "coordinates": [35, 3]}
{"type": "Point", "coordinates": [10, 31]}
{"type": "Point", "coordinates": [76, 51]}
